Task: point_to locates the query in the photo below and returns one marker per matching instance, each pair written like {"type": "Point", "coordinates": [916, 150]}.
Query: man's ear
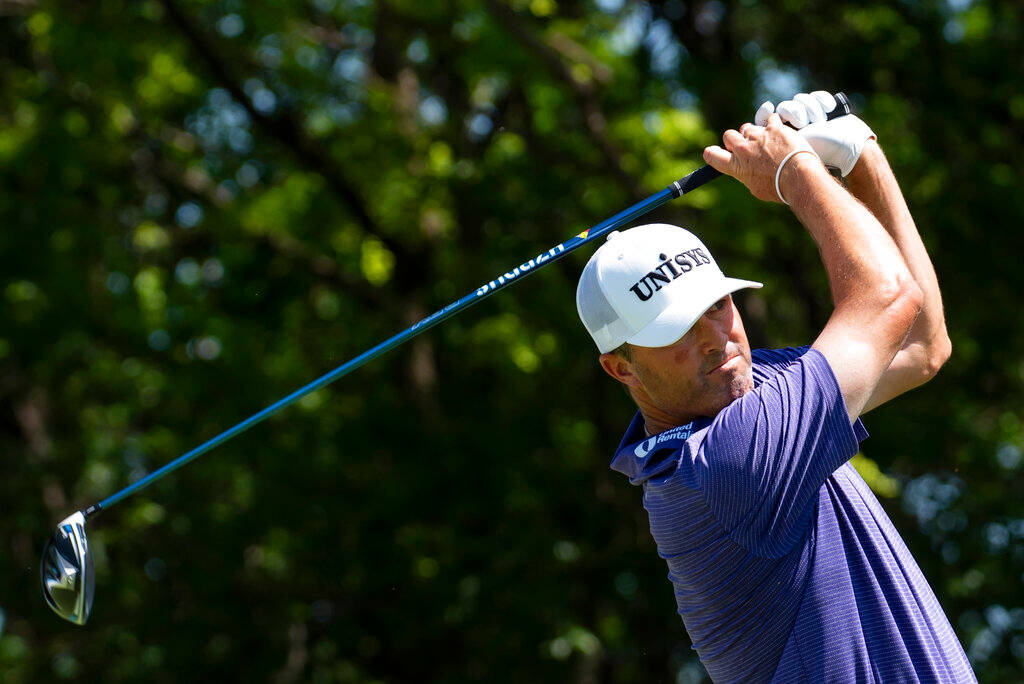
{"type": "Point", "coordinates": [619, 368]}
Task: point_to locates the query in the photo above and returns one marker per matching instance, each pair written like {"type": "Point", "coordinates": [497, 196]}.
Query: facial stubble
{"type": "Point", "coordinates": [703, 395]}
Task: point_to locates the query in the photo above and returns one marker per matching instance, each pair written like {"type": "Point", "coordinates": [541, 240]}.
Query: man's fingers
{"type": "Point", "coordinates": [763, 112]}
{"type": "Point", "coordinates": [793, 113]}
{"type": "Point", "coordinates": [732, 138]}
{"type": "Point", "coordinates": [718, 158]}
{"type": "Point", "coordinates": [815, 111]}
{"type": "Point", "coordinates": [827, 100]}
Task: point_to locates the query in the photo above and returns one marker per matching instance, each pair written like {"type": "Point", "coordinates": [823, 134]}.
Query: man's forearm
{"type": "Point", "coordinates": [858, 256]}
{"type": "Point", "coordinates": [874, 184]}
{"type": "Point", "coordinates": [875, 295]}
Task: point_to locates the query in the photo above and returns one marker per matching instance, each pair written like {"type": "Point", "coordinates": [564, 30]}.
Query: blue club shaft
{"type": "Point", "coordinates": [677, 189]}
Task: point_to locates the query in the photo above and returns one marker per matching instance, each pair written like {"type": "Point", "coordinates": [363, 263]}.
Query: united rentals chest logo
{"type": "Point", "coordinates": [667, 271]}
{"type": "Point", "coordinates": [647, 446]}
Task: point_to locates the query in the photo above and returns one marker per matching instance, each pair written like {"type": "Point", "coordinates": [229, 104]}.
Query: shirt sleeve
{"type": "Point", "coordinates": [767, 454]}
{"type": "Point", "coordinates": [768, 362]}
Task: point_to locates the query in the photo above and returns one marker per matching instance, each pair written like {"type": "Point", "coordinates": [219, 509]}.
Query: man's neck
{"type": "Point", "coordinates": [655, 418]}
{"type": "Point", "coordinates": [654, 425]}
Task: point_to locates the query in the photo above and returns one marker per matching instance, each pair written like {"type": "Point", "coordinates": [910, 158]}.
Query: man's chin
{"type": "Point", "coordinates": [727, 398]}
{"type": "Point", "coordinates": [739, 386]}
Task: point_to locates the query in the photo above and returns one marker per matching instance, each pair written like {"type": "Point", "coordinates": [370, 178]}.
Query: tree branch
{"type": "Point", "coordinates": [710, 40]}
{"type": "Point", "coordinates": [586, 100]}
{"type": "Point", "coordinates": [161, 168]}
{"type": "Point", "coordinates": [285, 127]}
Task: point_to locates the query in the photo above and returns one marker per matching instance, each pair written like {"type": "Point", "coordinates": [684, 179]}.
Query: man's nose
{"type": "Point", "coordinates": [714, 334]}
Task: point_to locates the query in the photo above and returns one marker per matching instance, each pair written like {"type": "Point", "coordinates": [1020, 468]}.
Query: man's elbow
{"type": "Point", "coordinates": [924, 360]}
{"type": "Point", "coordinates": [932, 353]}
{"type": "Point", "coordinates": [939, 350]}
{"type": "Point", "coordinates": [907, 300]}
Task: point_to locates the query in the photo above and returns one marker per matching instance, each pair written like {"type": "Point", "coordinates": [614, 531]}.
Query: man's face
{"type": "Point", "coordinates": [700, 374]}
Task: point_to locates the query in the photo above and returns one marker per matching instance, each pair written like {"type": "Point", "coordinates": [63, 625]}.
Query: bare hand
{"type": "Point", "coordinates": [752, 155]}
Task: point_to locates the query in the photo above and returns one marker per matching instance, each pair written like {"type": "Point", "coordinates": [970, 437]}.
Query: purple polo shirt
{"type": "Point", "coordinates": [785, 566]}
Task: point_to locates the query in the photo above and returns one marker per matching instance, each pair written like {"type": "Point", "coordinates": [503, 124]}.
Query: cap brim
{"type": "Point", "coordinates": [677, 319]}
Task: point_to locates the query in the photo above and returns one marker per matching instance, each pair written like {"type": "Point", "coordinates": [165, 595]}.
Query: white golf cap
{"type": "Point", "coordinates": [648, 286]}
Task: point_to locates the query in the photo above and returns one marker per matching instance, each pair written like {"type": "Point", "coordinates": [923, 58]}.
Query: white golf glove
{"type": "Point", "coordinates": [838, 142]}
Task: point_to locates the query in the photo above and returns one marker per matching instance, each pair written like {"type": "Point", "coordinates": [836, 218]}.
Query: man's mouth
{"type": "Point", "coordinates": [725, 362]}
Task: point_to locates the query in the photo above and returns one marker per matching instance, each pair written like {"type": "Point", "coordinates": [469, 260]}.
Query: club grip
{"type": "Point", "coordinates": [842, 107]}
{"type": "Point", "coordinates": [695, 179]}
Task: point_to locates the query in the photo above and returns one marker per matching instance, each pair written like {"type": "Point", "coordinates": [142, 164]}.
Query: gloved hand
{"type": "Point", "coordinates": [838, 142]}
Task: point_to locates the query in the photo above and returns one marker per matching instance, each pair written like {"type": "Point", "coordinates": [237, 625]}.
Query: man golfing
{"type": "Point", "coordinates": [784, 565]}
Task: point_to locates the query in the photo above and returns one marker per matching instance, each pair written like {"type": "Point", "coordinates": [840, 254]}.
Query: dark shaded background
{"type": "Point", "coordinates": [204, 205]}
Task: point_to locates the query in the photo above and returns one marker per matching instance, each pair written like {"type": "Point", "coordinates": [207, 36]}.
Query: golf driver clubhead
{"type": "Point", "coordinates": [67, 572]}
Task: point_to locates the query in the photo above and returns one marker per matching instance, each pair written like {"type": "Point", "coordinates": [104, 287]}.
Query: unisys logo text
{"type": "Point", "coordinates": [667, 271]}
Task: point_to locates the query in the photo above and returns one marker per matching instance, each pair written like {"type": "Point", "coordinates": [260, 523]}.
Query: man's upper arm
{"type": "Point", "coordinates": [861, 344]}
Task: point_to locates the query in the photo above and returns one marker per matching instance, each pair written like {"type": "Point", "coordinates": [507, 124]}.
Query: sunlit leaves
{"type": "Point", "coordinates": [13, 137]}
{"type": "Point", "coordinates": [505, 333]}
{"type": "Point", "coordinates": [166, 77]}
{"type": "Point", "coordinates": [665, 144]}
{"type": "Point", "coordinates": [376, 262]}
{"type": "Point", "coordinates": [149, 236]}
{"type": "Point", "coordinates": [881, 484]}
{"type": "Point", "coordinates": [283, 208]}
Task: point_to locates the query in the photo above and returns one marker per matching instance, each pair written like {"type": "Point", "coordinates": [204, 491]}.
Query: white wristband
{"type": "Point", "coordinates": [778, 171]}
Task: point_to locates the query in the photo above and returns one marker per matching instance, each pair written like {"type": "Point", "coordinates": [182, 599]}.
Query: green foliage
{"type": "Point", "coordinates": [207, 204]}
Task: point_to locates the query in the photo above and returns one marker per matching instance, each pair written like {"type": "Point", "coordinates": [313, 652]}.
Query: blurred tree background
{"type": "Point", "coordinates": [206, 204]}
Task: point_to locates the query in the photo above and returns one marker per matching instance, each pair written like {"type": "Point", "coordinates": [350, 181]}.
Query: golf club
{"type": "Point", "coordinates": [67, 567]}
